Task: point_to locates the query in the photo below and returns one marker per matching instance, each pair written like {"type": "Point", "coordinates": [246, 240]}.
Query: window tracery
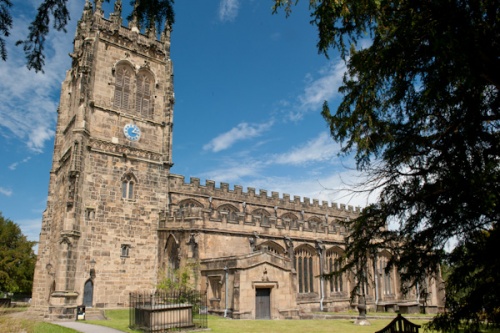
{"type": "Point", "coordinates": [189, 208]}
{"type": "Point", "coordinates": [314, 223]}
{"type": "Point", "coordinates": [171, 263]}
{"type": "Point", "coordinates": [123, 76]}
{"type": "Point", "coordinates": [261, 216]}
{"type": "Point", "coordinates": [304, 265]}
{"type": "Point", "coordinates": [143, 96]}
{"type": "Point", "coordinates": [230, 210]}
{"type": "Point", "coordinates": [387, 281]}
{"type": "Point", "coordinates": [272, 247]}
{"type": "Point", "coordinates": [131, 87]}
{"type": "Point", "coordinates": [128, 186]}
{"type": "Point", "coordinates": [291, 220]}
{"type": "Point", "coordinates": [334, 265]}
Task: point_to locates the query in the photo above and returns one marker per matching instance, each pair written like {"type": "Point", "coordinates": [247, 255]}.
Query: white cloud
{"type": "Point", "coordinates": [228, 10]}
{"type": "Point", "coordinates": [320, 149]}
{"type": "Point", "coordinates": [30, 228]}
{"type": "Point", "coordinates": [29, 100]}
{"type": "Point", "coordinates": [242, 131]}
{"type": "Point", "coordinates": [318, 89]}
{"type": "Point", "coordinates": [14, 165]}
{"type": "Point", "coordinates": [323, 88]}
{"type": "Point", "coordinates": [5, 191]}
{"type": "Point", "coordinates": [233, 174]}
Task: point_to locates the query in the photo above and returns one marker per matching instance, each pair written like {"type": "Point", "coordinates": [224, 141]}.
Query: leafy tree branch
{"type": "Point", "coordinates": [420, 113]}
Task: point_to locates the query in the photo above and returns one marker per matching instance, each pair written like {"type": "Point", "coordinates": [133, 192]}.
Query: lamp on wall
{"type": "Point", "coordinates": [92, 269]}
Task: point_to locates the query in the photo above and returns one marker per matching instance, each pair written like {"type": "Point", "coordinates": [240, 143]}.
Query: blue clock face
{"type": "Point", "coordinates": [132, 132]}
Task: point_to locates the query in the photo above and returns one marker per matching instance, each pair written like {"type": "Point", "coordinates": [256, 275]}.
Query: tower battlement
{"type": "Point", "coordinates": [145, 41]}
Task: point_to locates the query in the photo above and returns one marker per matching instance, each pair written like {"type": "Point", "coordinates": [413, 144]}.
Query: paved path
{"type": "Point", "coordinates": [86, 328]}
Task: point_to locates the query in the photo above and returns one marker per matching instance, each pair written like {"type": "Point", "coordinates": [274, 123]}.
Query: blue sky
{"type": "Point", "coordinates": [249, 87]}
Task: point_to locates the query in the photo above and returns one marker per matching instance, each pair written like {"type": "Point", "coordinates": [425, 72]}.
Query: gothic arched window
{"type": "Point", "coordinates": [261, 216]}
{"type": "Point", "coordinates": [387, 281]}
{"type": "Point", "coordinates": [334, 265]}
{"type": "Point", "coordinates": [230, 210]}
{"type": "Point", "coordinates": [189, 208]}
{"type": "Point", "coordinates": [314, 223]}
{"type": "Point", "coordinates": [171, 263]}
{"type": "Point", "coordinates": [291, 220]}
{"type": "Point", "coordinates": [272, 247]}
{"type": "Point", "coordinates": [143, 95]}
{"type": "Point", "coordinates": [304, 265]}
{"type": "Point", "coordinates": [123, 76]}
{"type": "Point", "coordinates": [128, 186]}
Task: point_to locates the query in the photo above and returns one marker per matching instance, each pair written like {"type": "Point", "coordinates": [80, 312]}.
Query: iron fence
{"type": "Point", "coordinates": [400, 325]}
{"type": "Point", "coordinates": [168, 311]}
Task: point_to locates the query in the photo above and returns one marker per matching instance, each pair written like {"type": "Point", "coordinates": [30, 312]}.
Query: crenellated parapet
{"type": "Point", "coordinates": [194, 205]}
{"type": "Point", "coordinates": [261, 197]}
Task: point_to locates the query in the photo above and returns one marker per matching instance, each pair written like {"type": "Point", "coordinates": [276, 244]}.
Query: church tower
{"type": "Point", "coordinates": [109, 176]}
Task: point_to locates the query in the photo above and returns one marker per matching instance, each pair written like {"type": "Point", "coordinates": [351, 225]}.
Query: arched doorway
{"type": "Point", "coordinates": [88, 293]}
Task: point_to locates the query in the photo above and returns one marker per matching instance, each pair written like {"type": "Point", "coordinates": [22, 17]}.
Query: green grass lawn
{"type": "Point", "coordinates": [221, 325]}
{"type": "Point", "coordinates": [377, 314]}
{"type": "Point", "coordinates": [10, 324]}
{"type": "Point", "coordinates": [119, 319]}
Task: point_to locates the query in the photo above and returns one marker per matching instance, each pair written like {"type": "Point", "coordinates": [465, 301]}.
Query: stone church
{"type": "Point", "coordinates": [117, 220]}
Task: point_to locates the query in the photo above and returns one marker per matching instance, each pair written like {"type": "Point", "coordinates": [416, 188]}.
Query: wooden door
{"type": "Point", "coordinates": [88, 293]}
{"type": "Point", "coordinates": [263, 303]}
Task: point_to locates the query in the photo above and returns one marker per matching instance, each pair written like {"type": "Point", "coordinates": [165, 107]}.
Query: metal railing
{"type": "Point", "coordinates": [167, 311]}
{"type": "Point", "coordinates": [400, 325]}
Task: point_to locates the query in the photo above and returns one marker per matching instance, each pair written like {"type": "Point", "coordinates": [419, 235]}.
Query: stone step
{"type": "Point", "coordinates": [94, 314]}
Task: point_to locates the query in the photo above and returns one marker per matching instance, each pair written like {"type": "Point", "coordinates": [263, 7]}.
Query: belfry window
{"type": "Point", "coordinates": [143, 102]}
{"type": "Point", "coordinates": [122, 88]}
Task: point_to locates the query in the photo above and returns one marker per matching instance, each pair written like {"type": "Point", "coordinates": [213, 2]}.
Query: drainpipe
{"type": "Point", "coordinates": [322, 283]}
{"type": "Point", "coordinates": [321, 277]}
{"type": "Point", "coordinates": [225, 302]}
{"type": "Point", "coordinates": [375, 271]}
{"type": "Point", "coordinates": [418, 294]}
